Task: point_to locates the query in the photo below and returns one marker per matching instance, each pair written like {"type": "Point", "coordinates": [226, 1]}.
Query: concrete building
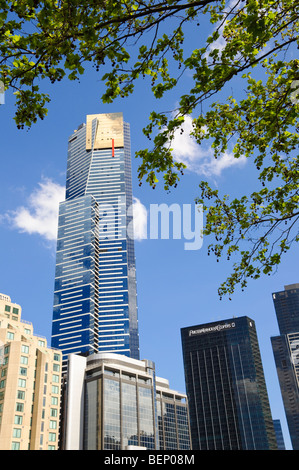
{"type": "Point", "coordinates": [30, 377]}
{"type": "Point", "coordinates": [117, 403]}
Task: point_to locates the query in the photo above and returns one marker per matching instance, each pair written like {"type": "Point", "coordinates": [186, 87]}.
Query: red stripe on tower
{"type": "Point", "coordinates": [112, 147]}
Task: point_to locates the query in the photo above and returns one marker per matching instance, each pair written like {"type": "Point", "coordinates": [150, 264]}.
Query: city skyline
{"type": "Point", "coordinates": [176, 287]}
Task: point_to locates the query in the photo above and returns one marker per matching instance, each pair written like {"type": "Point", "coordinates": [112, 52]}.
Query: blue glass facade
{"type": "Point", "coordinates": [95, 306]}
{"type": "Point", "coordinates": [228, 401]}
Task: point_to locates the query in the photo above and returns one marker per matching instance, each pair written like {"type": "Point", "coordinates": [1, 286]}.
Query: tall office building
{"type": "Point", "coordinates": [279, 434]}
{"type": "Point", "coordinates": [117, 403]}
{"type": "Point", "coordinates": [95, 306]}
{"type": "Point", "coordinates": [30, 376]}
{"type": "Point", "coordinates": [285, 349]}
{"type": "Point", "coordinates": [228, 401]}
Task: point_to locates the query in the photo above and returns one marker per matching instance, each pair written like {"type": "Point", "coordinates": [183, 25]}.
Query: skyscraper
{"type": "Point", "coordinates": [95, 306]}
{"type": "Point", "coordinates": [228, 401]}
{"type": "Point", "coordinates": [285, 349]}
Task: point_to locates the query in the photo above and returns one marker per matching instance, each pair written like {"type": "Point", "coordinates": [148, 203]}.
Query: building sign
{"type": "Point", "coordinates": [212, 329]}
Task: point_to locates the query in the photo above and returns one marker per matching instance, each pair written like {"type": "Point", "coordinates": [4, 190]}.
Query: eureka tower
{"type": "Point", "coordinates": [95, 305]}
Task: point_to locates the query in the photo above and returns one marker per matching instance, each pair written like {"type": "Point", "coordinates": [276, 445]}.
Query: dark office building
{"type": "Point", "coordinates": [286, 355]}
{"type": "Point", "coordinates": [279, 434]}
{"type": "Point", "coordinates": [286, 305]}
{"type": "Point", "coordinates": [228, 401]}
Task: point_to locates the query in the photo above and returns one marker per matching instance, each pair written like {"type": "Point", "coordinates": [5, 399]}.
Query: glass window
{"type": "Point", "coordinates": [15, 310]}
{"type": "Point", "coordinates": [20, 395]}
{"type": "Point", "coordinates": [55, 389]}
{"type": "Point", "coordinates": [19, 407]}
{"type": "Point", "coordinates": [53, 424]}
{"type": "Point", "coordinates": [111, 414]}
{"type": "Point", "coordinates": [7, 308]}
{"type": "Point", "coordinates": [146, 418]}
{"type": "Point", "coordinates": [23, 371]}
{"type": "Point", "coordinates": [15, 446]}
{"type": "Point", "coordinates": [18, 419]}
{"type": "Point", "coordinates": [22, 383]}
{"type": "Point", "coordinates": [16, 432]}
{"type": "Point", "coordinates": [24, 360]}
{"type": "Point", "coordinates": [10, 335]}
{"type": "Point", "coordinates": [25, 348]}
{"type": "Point", "coordinates": [52, 436]}
{"type": "Point", "coordinates": [129, 414]}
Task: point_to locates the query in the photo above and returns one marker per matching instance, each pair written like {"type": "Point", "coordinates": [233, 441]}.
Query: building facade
{"type": "Point", "coordinates": [117, 403]}
{"type": "Point", "coordinates": [30, 376]}
{"type": "Point", "coordinates": [279, 434]}
{"type": "Point", "coordinates": [228, 401]}
{"type": "Point", "coordinates": [95, 301]}
{"type": "Point", "coordinates": [285, 349]}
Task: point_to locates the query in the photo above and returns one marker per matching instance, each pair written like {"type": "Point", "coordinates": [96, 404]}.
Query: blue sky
{"type": "Point", "coordinates": [176, 287]}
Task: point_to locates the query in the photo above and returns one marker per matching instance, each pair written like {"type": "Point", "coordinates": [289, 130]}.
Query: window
{"type": "Point", "coordinates": [55, 389]}
{"type": "Point", "coordinates": [10, 335]}
{"type": "Point", "coordinates": [55, 378]}
{"type": "Point", "coordinates": [20, 395]}
{"type": "Point", "coordinates": [18, 419]}
{"type": "Point", "coordinates": [53, 413]}
{"type": "Point", "coordinates": [54, 401]}
{"type": "Point", "coordinates": [27, 331]}
{"type": "Point", "coordinates": [15, 446]}
{"type": "Point", "coordinates": [15, 310]}
{"type": "Point", "coordinates": [23, 371]}
{"type": "Point", "coordinates": [25, 349]}
{"type": "Point", "coordinates": [56, 367]}
{"type": "Point", "coordinates": [2, 383]}
{"type": "Point", "coordinates": [24, 360]}
{"type": "Point", "coordinates": [52, 436]}
{"type": "Point", "coordinates": [22, 383]}
{"type": "Point", "coordinates": [16, 432]}
{"type": "Point", "coordinates": [53, 424]}
{"type": "Point", "coordinates": [51, 447]}
{"type": "Point", "coordinates": [19, 407]}
{"type": "Point", "coordinates": [41, 343]}
{"type": "Point", "coordinates": [56, 357]}
{"type": "Point", "coordinates": [7, 308]}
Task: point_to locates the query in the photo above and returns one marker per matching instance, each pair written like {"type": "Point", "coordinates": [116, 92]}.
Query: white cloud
{"type": "Point", "coordinates": [139, 220]}
{"type": "Point", "coordinates": [40, 216]}
{"type": "Point", "coordinates": [199, 158]}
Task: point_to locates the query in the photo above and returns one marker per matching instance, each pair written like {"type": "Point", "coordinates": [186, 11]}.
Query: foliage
{"type": "Point", "coordinates": [254, 42]}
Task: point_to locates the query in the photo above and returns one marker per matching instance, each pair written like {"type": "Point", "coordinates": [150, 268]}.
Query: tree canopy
{"type": "Point", "coordinates": [253, 41]}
